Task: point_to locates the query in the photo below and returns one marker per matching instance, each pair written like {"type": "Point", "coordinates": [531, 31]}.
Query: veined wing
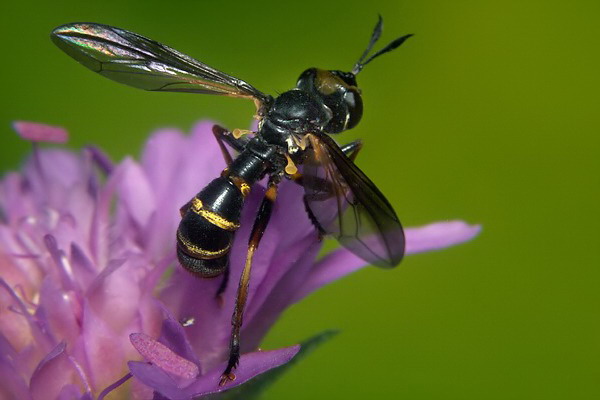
{"type": "Point", "coordinates": [347, 205]}
{"type": "Point", "coordinates": [137, 61]}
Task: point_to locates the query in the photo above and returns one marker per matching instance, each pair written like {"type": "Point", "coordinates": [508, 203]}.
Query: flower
{"type": "Point", "coordinates": [91, 295]}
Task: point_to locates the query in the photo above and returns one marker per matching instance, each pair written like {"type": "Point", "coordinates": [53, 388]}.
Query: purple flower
{"type": "Point", "coordinates": [90, 291]}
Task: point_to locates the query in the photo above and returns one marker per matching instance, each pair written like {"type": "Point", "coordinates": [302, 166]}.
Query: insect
{"type": "Point", "coordinates": [293, 130]}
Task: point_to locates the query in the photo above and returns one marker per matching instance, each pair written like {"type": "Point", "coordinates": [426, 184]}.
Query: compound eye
{"type": "Point", "coordinates": [355, 107]}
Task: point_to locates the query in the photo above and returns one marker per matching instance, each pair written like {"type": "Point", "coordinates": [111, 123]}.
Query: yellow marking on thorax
{"type": "Point", "coordinates": [213, 217]}
{"type": "Point", "coordinates": [200, 252]}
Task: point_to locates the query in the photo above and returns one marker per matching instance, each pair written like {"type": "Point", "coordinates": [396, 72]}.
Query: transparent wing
{"type": "Point", "coordinates": [134, 60]}
{"type": "Point", "coordinates": [347, 205]}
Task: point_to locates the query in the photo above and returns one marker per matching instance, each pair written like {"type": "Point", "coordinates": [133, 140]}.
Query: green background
{"type": "Point", "coordinates": [489, 114]}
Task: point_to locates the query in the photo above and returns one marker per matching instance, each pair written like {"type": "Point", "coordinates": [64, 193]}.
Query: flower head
{"type": "Point", "coordinates": [90, 290]}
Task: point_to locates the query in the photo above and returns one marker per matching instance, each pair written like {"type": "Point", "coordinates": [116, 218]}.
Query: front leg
{"type": "Point", "coordinates": [222, 135]}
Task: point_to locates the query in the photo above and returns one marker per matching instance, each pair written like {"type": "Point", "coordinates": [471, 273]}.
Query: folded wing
{"type": "Point", "coordinates": [347, 205]}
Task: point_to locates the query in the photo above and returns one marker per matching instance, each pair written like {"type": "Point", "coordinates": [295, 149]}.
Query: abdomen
{"type": "Point", "coordinates": [206, 230]}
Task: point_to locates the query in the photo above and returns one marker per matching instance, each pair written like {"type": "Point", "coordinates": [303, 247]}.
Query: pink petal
{"type": "Point", "coordinates": [136, 192]}
{"type": "Point", "coordinates": [161, 356]}
{"type": "Point", "coordinates": [290, 207]}
{"type": "Point", "coordinates": [277, 291]}
{"type": "Point", "coordinates": [173, 336]}
{"type": "Point", "coordinates": [152, 376]}
{"type": "Point", "coordinates": [182, 297]}
{"type": "Point", "coordinates": [111, 311]}
{"type": "Point", "coordinates": [439, 235]}
{"type": "Point", "coordinates": [72, 392]}
{"type": "Point", "coordinates": [113, 297]}
{"type": "Point", "coordinates": [161, 158]}
{"type": "Point", "coordinates": [100, 159]}
{"type": "Point", "coordinates": [12, 383]}
{"type": "Point", "coordinates": [199, 162]}
{"type": "Point", "coordinates": [430, 237]}
{"type": "Point", "coordinates": [40, 132]}
{"type": "Point", "coordinates": [54, 171]}
{"type": "Point", "coordinates": [104, 349]}
{"type": "Point", "coordinates": [52, 374]}
{"type": "Point", "coordinates": [251, 365]}
{"type": "Point", "coordinates": [59, 311]}
{"type": "Point", "coordinates": [287, 260]}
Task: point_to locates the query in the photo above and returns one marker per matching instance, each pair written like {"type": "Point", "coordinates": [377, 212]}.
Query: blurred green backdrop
{"type": "Point", "coordinates": [488, 114]}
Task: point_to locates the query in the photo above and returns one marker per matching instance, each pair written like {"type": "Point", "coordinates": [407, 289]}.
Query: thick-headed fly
{"type": "Point", "coordinates": [293, 130]}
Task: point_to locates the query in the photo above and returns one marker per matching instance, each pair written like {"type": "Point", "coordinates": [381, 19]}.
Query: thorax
{"type": "Point", "coordinates": [294, 114]}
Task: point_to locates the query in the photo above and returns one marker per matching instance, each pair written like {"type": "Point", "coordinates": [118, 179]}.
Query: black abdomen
{"type": "Point", "coordinates": [210, 219]}
{"type": "Point", "coordinates": [206, 230]}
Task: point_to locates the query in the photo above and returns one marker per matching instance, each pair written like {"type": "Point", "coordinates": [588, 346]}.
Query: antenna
{"type": "Point", "coordinates": [374, 37]}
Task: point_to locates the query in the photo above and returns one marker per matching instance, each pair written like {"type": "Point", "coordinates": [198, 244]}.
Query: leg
{"type": "Point", "coordinates": [351, 149]}
{"type": "Point", "coordinates": [185, 208]}
{"type": "Point", "coordinates": [320, 231]}
{"type": "Point", "coordinates": [260, 224]}
{"type": "Point", "coordinates": [219, 132]}
{"type": "Point", "coordinates": [224, 136]}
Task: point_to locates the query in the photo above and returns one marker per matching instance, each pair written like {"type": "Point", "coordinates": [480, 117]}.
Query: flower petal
{"type": "Point", "coordinates": [112, 297]}
{"type": "Point", "coordinates": [52, 374]}
{"type": "Point", "coordinates": [51, 173]}
{"type": "Point", "coordinates": [12, 384]}
{"type": "Point", "coordinates": [163, 357]}
{"type": "Point", "coordinates": [135, 192]}
{"type": "Point", "coordinates": [154, 377]}
{"type": "Point", "coordinates": [290, 207]}
{"type": "Point", "coordinates": [342, 262]}
{"type": "Point", "coordinates": [111, 310]}
{"type": "Point", "coordinates": [60, 310]}
{"type": "Point", "coordinates": [439, 235]}
{"type": "Point", "coordinates": [191, 297]}
{"type": "Point", "coordinates": [251, 364]}
{"type": "Point", "coordinates": [71, 392]}
{"type": "Point", "coordinates": [40, 132]}
{"type": "Point", "coordinates": [163, 150]}
{"type": "Point", "coordinates": [173, 336]}
{"type": "Point", "coordinates": [280, 295]}
{"type": "Point", "coordinates": [100, 159]}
